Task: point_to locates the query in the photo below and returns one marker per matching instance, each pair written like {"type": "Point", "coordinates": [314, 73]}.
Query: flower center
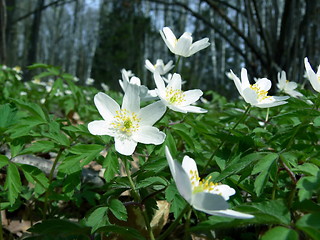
{"type": "Point", "coordinates": [175, 96]}
{"type": "Point", "coordinates": [126, 122]}
{"type": "Point", "coordinates": [262, 94]}
{"type": "Point", "coordinates": [201, 185]}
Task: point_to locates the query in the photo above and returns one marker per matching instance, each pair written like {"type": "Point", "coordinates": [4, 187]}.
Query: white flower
{"type": "Point", "coordinates": [313, 77]}
{"type": "Point", "coordinates": [89, 81]}
{"type": "Point", "coordinates": [182, 46]}
{"type": "Point", "coordinates": [202, 195]}
{"type": "Point", "coordinates": [105, 87]}
{"type": "Point", "coordinates": [256, 94]}
{"type": "Point", "coordinates": [286, 86]}
{"type": "Point", "coordinates": [129, 79]}
{"type": "Point", "coordinates": [174, 98]}
{"type": "Point", "coordinates": [159, 66]}
{"type": "Point", "coordinates": [128, 124]}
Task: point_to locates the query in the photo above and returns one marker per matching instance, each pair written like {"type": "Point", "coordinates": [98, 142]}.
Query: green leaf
{"type": "Point", "coordinates": [238, 166]}
{"type": "Point", "coordinates": [7, 116]}
{"type": "Point", "coordinates": [307, 186]}
{"type": "Point", "coordinates": [35, 176]}
{"type": "Point", "coordinates": [56, 134]}
{"type": "Point", "coordinates": [70, 164]}
{"type": "Point", "coordinates": [111, 164]}
{"type": "Point", "coordinates": [41, 146]}
{"type": "Point", "coordinates": [98, 218]}
{"type": "Point", "coordinates": [151, 181]}
{"type": "Point", "coordinates": [126, 232]}
{"type": "Point", "coordinates": [33, 108]}
{"type": "Point", "coordinates": [310, 225]}
{"type": "Point", "coordinates": [175, 199]}
{"type": "Point", "coordinates": [59, 229]}
{"type": "Point", "coordinates": [118, 209]}
{"type": "Point", "coordinates": [4, 161]}
{"type": "Point", "coordinates": [272, 212]}
{"type": "Point", "coordinates": [38, 65]}
{"type": "Point", "coordinates": [13, 183]}
{"type": "Point", "coordinates": [88, 152]}
{"type": "Point", "coordinates": [280, 233]}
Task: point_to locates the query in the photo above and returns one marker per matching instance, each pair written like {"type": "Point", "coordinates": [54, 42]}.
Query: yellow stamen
{"type": "Point", "coordinates": [201, 185]}
{"type": "Point", "coordinates": [262, 94]}
{"type": "Point", "coordinates": [126, 122]}
{"type": "Point", "coordinates": [175, 96]}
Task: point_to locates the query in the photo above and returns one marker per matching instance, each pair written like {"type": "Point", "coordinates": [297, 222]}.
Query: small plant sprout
{"type": "Point", "coordinates": [202, 195]}
{"type": "Point", "coordinates": [176, 99]}
{"type": "Point", "coordinates": [182, 46]}
{"type": "Point", "coordinates": [257, 94]}
{"type": "Point", "coordinates": [159, 66]}
{"type": "Point", "coordinates": [286, 86]}
{"type": "Point", "coordinates": [314, 77]}
{"type": "Point", "coordinates": [128, 124]}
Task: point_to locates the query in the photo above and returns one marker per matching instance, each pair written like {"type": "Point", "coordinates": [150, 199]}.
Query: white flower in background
{"type": "Point", "coordinates": [105, 87]}
{"type": "Point", "coordinates": [68, 92]}
{"type": "Point", "coordinates": [286, 86]}
{"type": "Point", "coordinates": [17, 69]}
{"type": "Point", "coordinates": [22, 93]}
{"type": "Point", "coordinates": [159, 66]}
{"type": "Point", "coordinates": [75, 79]}
{"type": "Point", "coordinates": [128, 124]}
{"type": "Point", "coordinates": [182, 46]}
{"type": "Point", "coordinates": [176, 99]}
{"type": "Point", "coordinates": [314, 77]}
{"type": "Point", "coordinates": [129, 79]}
{"type": "Point", "coordinates": [257, 94]}
{"type": "Point", "coordinates": [89, 81]}
{"type": "Point", "coordinates": [4, 67]}
{"type": "Point", "coordinates": [202, 195]}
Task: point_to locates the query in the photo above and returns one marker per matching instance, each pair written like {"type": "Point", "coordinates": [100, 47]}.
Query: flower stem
{"type": "Point", "coordinates": [225, 138]}
{"type": "Point", "coordinates": [50, 181]}
{"type": "Point", "coordinates": [174, 224]}
{"type": "Point", "coordinates": [176, 65]}
{"type": "Point", "coordinates": [187, 225]}
{"type": "Point", "coordinates": [137, 199]}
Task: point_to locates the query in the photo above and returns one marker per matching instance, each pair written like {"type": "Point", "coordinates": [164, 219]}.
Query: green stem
{"type": "Point", "coordinates": [138, 200]}
{"type": "Point", "coordinates": [225, 138]}
{"type": "Point", "coordinates": [174, 224]}
{"type": "Point", "coordinates": [176, 65]}
{"type": "Point", "coordinates": [50, 181]}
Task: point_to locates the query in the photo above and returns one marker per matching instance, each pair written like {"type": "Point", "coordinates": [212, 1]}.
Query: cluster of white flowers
{"type": "Point", "coordinates": [130, 124]}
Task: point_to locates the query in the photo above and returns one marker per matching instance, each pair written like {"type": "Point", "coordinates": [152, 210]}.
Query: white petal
{"type": "Point", "coordinates": [237, 82]}
{"type": "Point", "coordinates": [149, 66]}
{"type": "Point", "coordinates": [131, 99]}
{"type": "Point", "coordinates": [106, 106]}
{"type": "Point", "coordinates": [224, 190]}
{"type": "Point", "coordinates": [199, 45]}
{"type": "Point", "coordinates": [149, 135]}
{"type": "Point", "coordinates": [231, 214]}
{"type": "Point", "coordinates": [100, 127]}
{"type": "Point", "coordinates": [180, 177]}
{"type": "Point", "coordinates": [183, 45]}
{"type": "Point", "coordinates": [159, 83]}
{"type": "Point", "coordinates": [271, 104]}
{"type": "Point", "coordinates": [250, 96]}
{"type": "Point", "coordinates": [244, 78]}
{"type": "Point", "coordinates": [124, 145]}
{"type": "Point", "coordinates": [185, 109]}
{"type": "Point", "coordinates": [150, 114]}
{"type": "Point", "coordinates": [168, 37]}
{"type": "Point", "coordinates": [191, 96]}
{"type": "Point", "coordinates": [264, 84]}
{"type": "Point", "coordinates": [205, 202]}
{"type": "Point", "coordinates": [312, 76]}
{"type": "Point", "coordinates": [175, 82]}
{"type": "Point", "coordinates": [189, 165]}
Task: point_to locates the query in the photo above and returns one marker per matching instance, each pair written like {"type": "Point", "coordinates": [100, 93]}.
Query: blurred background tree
{"type": "Point", "coordinates": [97, 38]}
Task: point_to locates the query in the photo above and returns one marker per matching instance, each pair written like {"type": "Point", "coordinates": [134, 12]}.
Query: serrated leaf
{"type": "Point", "coordinates": [264, 163]}
{"type": "Point", "coordinates": [56, 134]}
{"type": "Point", "coordinates": [280, 233]}
{"type": "Point", "coordinates": [111, 164]}
{"type": "Point", "coordinates": [13, 183]}
{"type": "Point", "coordinates": [127, 232]}
{"type": "Point", "coordinates": [33, 108]}
{"type": "Point", "coordinates": [307, 186]}
{"type": "Point", "coordinates": [118, 209]}
{"type": "Point", "coordinates": [4, 161]}
{"type": "Point", "coordinates": [175, 199]}
{"type": "Point", "coordinates": [88, 152]}
{"type": "Point", "coordinates": [35, 176]}
{"type": "Point", "coordinates": [309, 224]}
{"type": "Point", "coordinates": [151, 181]}
{"type": "Point", "coordinates": [98, 218]}
{"type": "Point", "coordinates": [41, 146]}
{"type": "Point", "coordinates": [7, 116]}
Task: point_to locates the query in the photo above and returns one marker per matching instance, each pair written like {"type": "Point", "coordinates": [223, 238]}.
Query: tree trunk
{"type": "Point", "coordinates": [3, 24]}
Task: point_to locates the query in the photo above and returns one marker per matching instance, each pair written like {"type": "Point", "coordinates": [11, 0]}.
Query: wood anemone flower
{"type": "Point", "coordinates": [128, 124]}
{"type": "Point", "coordinates": [314, 77]}
{"type": "Point", "coordinates": [257, 94]}
{"type": "Point", "coordinates": [182, 46]}
{"type": "Point", "coordinates": [202, 195]}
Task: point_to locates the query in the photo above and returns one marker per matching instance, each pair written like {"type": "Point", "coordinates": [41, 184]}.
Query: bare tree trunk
{"type": "Point", "coordinates": [3, 24]}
